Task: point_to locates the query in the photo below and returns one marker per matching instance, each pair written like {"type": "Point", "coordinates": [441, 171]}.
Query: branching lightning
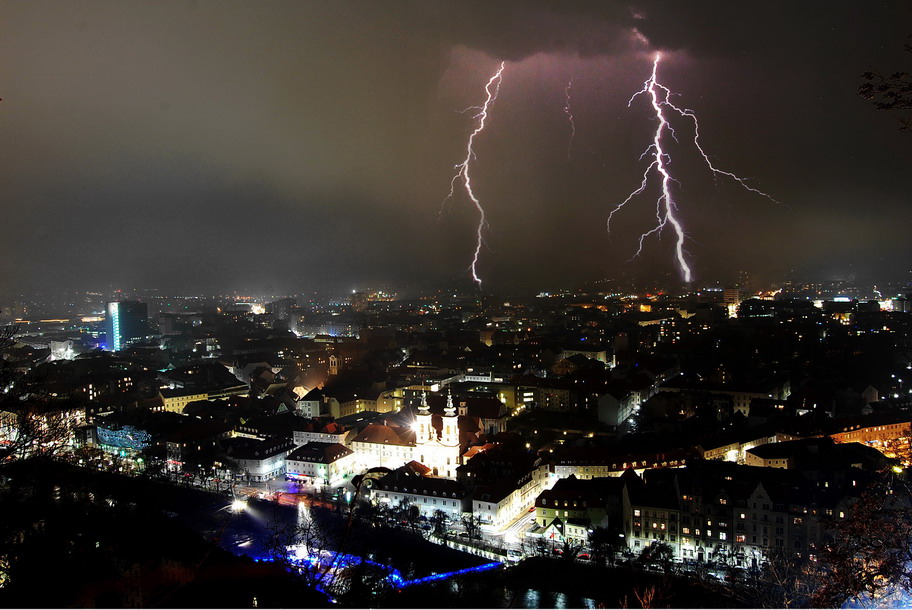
{"type": "Point", "coordinates": [660, 98]}
{"type": "Point", "coordinates": [568, 110]}
{"type": "Point", "coordinates": [462, 169]}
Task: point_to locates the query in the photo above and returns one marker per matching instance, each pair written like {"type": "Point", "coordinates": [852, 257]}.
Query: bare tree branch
{"type": "Point", "coordinates": [889, 91]}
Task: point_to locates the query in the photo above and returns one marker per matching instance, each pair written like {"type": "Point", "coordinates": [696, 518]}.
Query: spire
{"type": "Point", "coordinates": [423, 408]}
{"type": "Point", "coordinates": [450, 410]}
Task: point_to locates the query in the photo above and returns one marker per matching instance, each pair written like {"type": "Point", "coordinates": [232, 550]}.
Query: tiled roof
{"type": "Point", "coordinates": [318, 452]}
{"type": "Point", "coordinates": [381, 434]}
{"type": "Point", "coordinates": [404, 481]}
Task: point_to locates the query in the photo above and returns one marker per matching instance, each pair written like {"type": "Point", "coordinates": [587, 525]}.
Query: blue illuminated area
{"type": "Point", "coordinates": [126, 323]}
{"type": "Point", "coordinates": [127, 437]}
{"type": "Point", "coordinates": [394, 576]}
{"type": "Point", "coordinates": [446, 575]}
{"type": "Point", "coordinates": [115, 340]}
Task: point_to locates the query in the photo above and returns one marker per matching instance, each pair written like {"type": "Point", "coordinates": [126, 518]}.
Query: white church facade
{"type": "Point", "coordinates": [394, 446]}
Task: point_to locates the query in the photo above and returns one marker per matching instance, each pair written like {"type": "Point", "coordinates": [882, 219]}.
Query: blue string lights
{"type": "Point", "coordinates": [394, 576]}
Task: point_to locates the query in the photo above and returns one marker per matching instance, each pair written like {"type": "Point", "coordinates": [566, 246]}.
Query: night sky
{"type": "Point", "coordinates": [284, 146]}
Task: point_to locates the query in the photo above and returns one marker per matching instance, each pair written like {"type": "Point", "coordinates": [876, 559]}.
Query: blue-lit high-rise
{"type": "Point", "coordinates": [127, 322]}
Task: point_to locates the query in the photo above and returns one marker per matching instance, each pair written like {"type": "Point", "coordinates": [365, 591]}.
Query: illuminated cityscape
{"type": "Point", "coordinates": [247, 359]}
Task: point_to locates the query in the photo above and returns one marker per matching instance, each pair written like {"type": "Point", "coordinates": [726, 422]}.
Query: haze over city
{"type": "Point", "coordinates": [455, 304]}
{"type": "Point", "coordinates": [201, 146]}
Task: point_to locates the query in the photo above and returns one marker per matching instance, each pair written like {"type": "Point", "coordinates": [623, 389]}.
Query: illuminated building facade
{"type": "Point", "coordinates": [393, 446]}
{"type": "Point", "coordinates": [127, 322]}
{"type": "Point", "coordinates": [439, 452]}
{"type": "Point", "coordinates": [319, 462]}
{"type": "Point", "coordinates": [405, 487]}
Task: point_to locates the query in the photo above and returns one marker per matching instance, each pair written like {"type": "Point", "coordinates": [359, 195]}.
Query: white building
{"type": "Point", "coordinates": [615, 406]}
{"type": "Point", "coordinates": [330, 433]}
{"type": "Point", "coordinates": [495, 507]}
{"type": "Point", "coordinates": [320, 463]}
{"type": "Point", "coordinates": [404, 487]}
{"type": "Point", "coordinates": [261, 460]}
{"type": "Point", "coordinates": [440, 452]}
{"type": "Point", "coordinates": [393, 446]}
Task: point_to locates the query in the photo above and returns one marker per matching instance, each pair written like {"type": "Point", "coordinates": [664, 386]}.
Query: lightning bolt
{"type": "Point", "coordinates": [660, 98]}
{"type": "Point", "coordinates": [665, 205]}
{"type": "Point", "coordinates": [462, 169]}
{"type": "Point", "coordinates": [687, 112]}
{"type": "Point", "coordinates": [568, 110]}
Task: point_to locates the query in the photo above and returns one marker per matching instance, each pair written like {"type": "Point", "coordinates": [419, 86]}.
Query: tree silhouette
{"type": "Point", "coordinates": [889, 92]}
{"type": "Point", "coordinates": [868, 556]}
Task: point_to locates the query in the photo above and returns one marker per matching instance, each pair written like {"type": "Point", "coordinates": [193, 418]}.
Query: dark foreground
{"type": "Point", "coordinates": [76, 538]}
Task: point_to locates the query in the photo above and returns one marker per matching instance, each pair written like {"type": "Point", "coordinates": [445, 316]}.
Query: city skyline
{"type": "Point", "coordinates": [201, 147]}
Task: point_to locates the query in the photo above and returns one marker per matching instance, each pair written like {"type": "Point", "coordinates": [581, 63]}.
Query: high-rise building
{"type": "Point", "coordinates": [282, 309]}
{"type": "Point", "coordinates": [127, 322]}
{"type": "Point", "coordinates": [731, 298]}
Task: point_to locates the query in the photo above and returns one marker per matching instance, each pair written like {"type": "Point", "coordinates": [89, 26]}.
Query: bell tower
{"type": "Point", "coordinates": [449, 436]}
{"type": "Point", "coordinates": [424, 431]}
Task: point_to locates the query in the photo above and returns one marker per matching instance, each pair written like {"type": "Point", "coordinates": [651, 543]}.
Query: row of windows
{"type": "Point", "coordinates": [544, 502]}
{"type": "Point", "coordinates": [415, 491]}
{"type": "Point", "coordinates": [433, 500]}
{"type": "Point", "coordinates": [623, 465]}
{"type": "Point", "coordinates": [655, 513]}
{"type": "Point", "coordinates": [709, 534]}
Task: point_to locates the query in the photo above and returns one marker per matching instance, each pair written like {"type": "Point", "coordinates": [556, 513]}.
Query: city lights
{"type": "Point", "coordinates": [250, 356]}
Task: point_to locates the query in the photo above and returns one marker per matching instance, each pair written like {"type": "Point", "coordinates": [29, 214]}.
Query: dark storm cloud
{"type": "Point", "coordinates": [515, 30]}
{"type": "Point", "coordinates": [205, 144]}
{"type": "Point", "coordinates": [764, 31]}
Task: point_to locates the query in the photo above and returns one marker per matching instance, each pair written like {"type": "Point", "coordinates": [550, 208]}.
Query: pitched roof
{"type": "Point", "coordinates": [493, 493]}
{"type": "Point", "coordinates": [406, 480]}
{"type": "Point", "coordinates": [319, 452]}
{"type": "Point", "coordinates": [603, 456]}
{"type": "Point", "coordinates": [314, 394]}
{"type": "Point", "coordinates": [332, 428]}
{"type": "Point", "coordinates": [382, 434]}
{"type": "Point", "coordinates": [258, 450]}
{"type": "Point", "coordinates": [198, 430]}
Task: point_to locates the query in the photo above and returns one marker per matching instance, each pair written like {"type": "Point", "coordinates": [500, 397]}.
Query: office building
{"type": "Point", "coordinates": [127, 322]}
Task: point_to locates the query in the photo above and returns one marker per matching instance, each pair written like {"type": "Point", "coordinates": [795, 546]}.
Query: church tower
{"type": "Point", "coordinates": [424, 431]}
{"type": "Point", "coordinates": [449, 436]}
